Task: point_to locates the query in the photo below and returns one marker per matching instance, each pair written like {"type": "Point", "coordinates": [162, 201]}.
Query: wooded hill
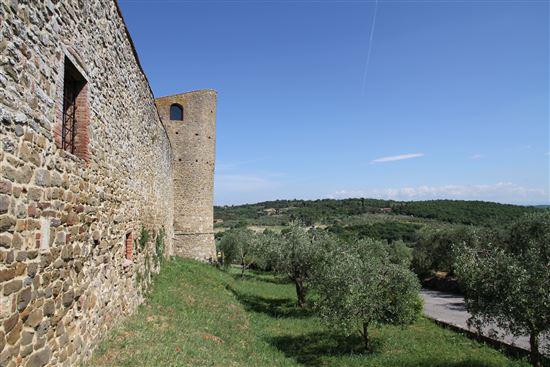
{"type": "Point", "coordinates": [330, 211]}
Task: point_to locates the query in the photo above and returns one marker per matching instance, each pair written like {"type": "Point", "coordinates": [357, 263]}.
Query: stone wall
{"type": "Point", "coordinates": [193, 144]}
{"type": "Point", "coordinates": [65, 276]}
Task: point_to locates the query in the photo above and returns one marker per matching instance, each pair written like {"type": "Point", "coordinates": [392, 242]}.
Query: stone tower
{"type": "Point", "coordinates": [190, 120]}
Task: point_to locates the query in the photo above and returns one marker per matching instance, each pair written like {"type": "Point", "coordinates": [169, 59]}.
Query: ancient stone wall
{"type": "Point", "coordinates": [193, 144]}
{"type": "Point", "coordinates": [71, 261]}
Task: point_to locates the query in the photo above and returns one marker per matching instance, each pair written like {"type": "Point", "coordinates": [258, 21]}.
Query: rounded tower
{"type": "Point", "coordinates": [190, 121]}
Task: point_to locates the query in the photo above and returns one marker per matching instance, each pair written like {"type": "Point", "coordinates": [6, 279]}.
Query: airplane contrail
{"type": "Point", "coordinates": [369, 51]}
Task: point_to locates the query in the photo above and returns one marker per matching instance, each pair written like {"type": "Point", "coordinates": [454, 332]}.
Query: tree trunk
{"type": "Point", "coordinates": [366, 336]}
{"type": "Point", "coordinates": [534, 344]}
{"type": "Point", "coordinates": [242, 269]}
{"type": "Point", "coordinates": [300, 292]}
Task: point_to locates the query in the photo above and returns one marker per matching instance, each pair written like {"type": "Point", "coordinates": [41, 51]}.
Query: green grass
{"type": "Point", "coordinates": [197, 315]}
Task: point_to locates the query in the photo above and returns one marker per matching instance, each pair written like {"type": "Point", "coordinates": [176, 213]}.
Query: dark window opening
{"type": "Point", "coordinates": [129, 250]}
{"type": "Point", "coordinates": [176, 112]}
{"type": "Point", "coordinates": [73, 83]}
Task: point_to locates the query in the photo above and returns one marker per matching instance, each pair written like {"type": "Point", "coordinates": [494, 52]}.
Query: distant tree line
{"type": "Point", "coordinates": [327, 211]}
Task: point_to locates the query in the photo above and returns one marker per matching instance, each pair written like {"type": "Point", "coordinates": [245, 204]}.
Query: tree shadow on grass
{"type": "Point", "coordinates": [311, 350]}
{"type": "Point", "coordinates": [261, 277]}
{"type": "Point", "coordinates": [274, 307]}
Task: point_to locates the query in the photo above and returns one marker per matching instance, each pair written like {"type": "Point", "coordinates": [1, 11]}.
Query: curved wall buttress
{"type": "Point", "coordinates": [193, 141]}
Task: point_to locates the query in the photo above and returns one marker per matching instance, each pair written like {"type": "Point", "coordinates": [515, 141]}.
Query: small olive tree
{"type": "Point", "coordinates": [509, 286]}
{"type": "Point", "coordinates": [239, 246]}
{"type": "Point", "coordinates": [294, 253]}
{"type": "Point", "coordinates": [362, 284]}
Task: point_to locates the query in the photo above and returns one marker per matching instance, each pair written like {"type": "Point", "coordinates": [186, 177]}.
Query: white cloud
{"type": "Point", "coordinates": [504, 192]}
{"type": "Point", "coordinates": [476, 156]}
{"type": "Point", "coordinates": [397, 157]}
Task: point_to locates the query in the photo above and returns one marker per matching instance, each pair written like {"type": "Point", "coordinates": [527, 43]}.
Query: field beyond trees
{"type": "Point", "coordinates": [197, 315]}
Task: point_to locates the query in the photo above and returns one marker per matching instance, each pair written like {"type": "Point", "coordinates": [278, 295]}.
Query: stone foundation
{"type": "Point", "coordinates": [195, 246]}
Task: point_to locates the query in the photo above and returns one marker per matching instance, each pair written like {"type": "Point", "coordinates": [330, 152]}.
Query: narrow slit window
{"type": "Point", "coordinates": [176, 112]}
{"type": "Point", "coordinates": [74, 109]}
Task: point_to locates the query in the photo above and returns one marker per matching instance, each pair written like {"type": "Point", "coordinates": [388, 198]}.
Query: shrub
{"type": "Point", "coordinates": [159, 244]}
{"type": "Point", "coordinates": [143, 238]}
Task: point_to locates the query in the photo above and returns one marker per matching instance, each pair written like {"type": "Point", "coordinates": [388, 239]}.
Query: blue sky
{"type": "Point", "coordinates": [452, 103]}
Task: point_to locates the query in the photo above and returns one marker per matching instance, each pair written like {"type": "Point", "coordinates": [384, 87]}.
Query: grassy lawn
{"type": "Point", "coordinates": [200, 316]}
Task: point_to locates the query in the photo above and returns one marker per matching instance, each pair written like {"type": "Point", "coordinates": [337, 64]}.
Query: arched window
{"type": "Point", "coordinates": [176, 112]}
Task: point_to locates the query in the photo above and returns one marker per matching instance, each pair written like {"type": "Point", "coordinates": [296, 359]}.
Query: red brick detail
{"type": "Point", "coordinates": [82, 123]}
{"type": "Point", "coordinates": [129, 246]}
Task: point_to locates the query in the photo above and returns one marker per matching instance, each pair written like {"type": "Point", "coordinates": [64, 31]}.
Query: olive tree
{"type": "Point", "coordinates": [240, 246]}
{"type": "Point", "coordinates": [294, 253]}
{"type": "Point", "coordinates": [509, 286]}
{"type": "Point", "coordinates": [361, 284]}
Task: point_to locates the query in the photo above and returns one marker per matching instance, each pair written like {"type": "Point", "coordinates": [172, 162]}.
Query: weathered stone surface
{"type": "Point", "coordinates": [4, 204]}
{"type": "Point", "coordinates": [12, 286]}
{"type": "Point", "coordinates": [2, 340]}
{"type": "Point", "coordinates": [42, 177]}
{"type": "Point", "coordinates": [39, 358]}
{"type": "Point", "coordinates": [6, 274]}
{"type": "Point", "coordinates": [65, 218]}
{"type": "Point", "coordinates": [7, 223]}
{"type": "Point", "coordinates": [24, 298]}
{"type": "Point", "coordinates": [13, 336]}
{"type": "Point", "coordinates": [193, 140]}
{"type": "Point", "coordinates": [68, 298]}
{"type": "Point", "coordinates": [10, 322]}
{"type": "Point", "coordinates": [49, 308]}
{"type": "Point", "coordinates": [34, 319]}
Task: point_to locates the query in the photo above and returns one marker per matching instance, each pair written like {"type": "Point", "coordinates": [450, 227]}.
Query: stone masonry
{"type": "Point", "coordinates": [88, 173]}
{"type": "Point", "coordinates": [193, 144]}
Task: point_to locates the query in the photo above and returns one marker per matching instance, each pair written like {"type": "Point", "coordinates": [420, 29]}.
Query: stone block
{"type": "Point", "coordinates": [13, 336]}
{"type": "Point", "coordinates": [7, 223]}
{"type": "Point", "coordinates": [42, 177]}
{"type": "Point", "coordinates": [5, 186]}
{"type": "Point", "coordinates": [39, 358]}
{"type": "Point", "coordinates": [4, 204]}
{"type": "Point", "coordinates": [35, 318]}
{"type": "Point", "coordinates": [24, 298]}
{"type": "Point", "coordinates": [13, 286]}
{"type": "Point", "coordinates": [10, 322]}
{"type": "Point", "coordinates": [7, 274]}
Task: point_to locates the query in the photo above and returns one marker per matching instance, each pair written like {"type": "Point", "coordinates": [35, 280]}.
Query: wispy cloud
{"type": "Point", "coordinates": [477, 156]}
{"type": "Point", "coordinates": [504, 192]}
{"type": "Point", "coordinates": [397, 157]}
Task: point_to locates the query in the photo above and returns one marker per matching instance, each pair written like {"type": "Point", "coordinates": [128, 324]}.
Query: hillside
{"type": "Point", "coordinates": [197, 315]}
{"type": "Point", "coordinates": [331, 211]}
